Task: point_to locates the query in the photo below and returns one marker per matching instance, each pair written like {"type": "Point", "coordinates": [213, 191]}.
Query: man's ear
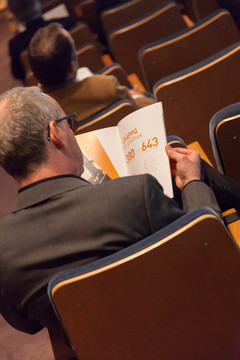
{"type": "Point", "coordinates": [54, 135]}
{"type": "Point", "coordinates": [72, 70]}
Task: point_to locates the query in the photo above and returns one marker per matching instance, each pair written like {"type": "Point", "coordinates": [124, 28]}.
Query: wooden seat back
{"type": "Point", "coordinates": [89, 12]}
{"type": "Point", "coordinates": [116, 70]}
{"type": "Point", "coordinates": [90, 56]}
{"type": "Point", "coordinates": [173, 295]}
{"type": "Point", "coordinates": [186, 48]}
{"type": "Point", "coordinates": [192, 96]}
{"type": "Point", "coordinates": [124, 13]}
{"type": "Point", "coordinates": [126, 41]}
{"type": "Point", "coordinates": [225, 139]}
{"type": "Point", "coordinates": [81, 34]}
{"type": "Point", "coordinates": [107, 117]}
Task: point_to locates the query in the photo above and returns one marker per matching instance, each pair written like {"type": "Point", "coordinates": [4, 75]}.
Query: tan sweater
{"type": "Point", "coordinates": [92, 95]}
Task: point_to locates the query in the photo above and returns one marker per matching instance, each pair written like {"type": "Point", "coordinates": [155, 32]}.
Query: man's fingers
{"type": "Point", "coordinates": [176, 153]}
{"type": "Point", "coordinates": [172, 153]}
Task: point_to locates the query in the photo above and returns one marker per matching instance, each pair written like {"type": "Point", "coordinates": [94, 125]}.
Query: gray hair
{"type": "Point", "coordinates": [25, 10]}
{"type": "Point", "coordinates": [23, 129]}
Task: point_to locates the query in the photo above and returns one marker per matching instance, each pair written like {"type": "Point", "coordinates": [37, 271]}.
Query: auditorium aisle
{"type": "Point", "coordinates": [15, 345]}
{"type": "Point", "coordinates": [6, 79]}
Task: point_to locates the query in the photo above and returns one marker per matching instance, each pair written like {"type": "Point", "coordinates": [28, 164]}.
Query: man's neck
{"type": "Point", "coordinates": [42, 173]}
{"type": "Point", "coordinates": [50, 89]}
{"type": "Point", "coordinates": [32, 179]}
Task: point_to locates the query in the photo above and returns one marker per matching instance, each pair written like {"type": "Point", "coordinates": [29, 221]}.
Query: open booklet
{"type": "Point", "coordinates": [135, 146]}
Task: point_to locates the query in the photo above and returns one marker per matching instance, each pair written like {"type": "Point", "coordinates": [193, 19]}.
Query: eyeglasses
{"type": "Point", "coordinates": [71, 120]}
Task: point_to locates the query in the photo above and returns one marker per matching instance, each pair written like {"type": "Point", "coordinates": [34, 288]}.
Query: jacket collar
{"type": "Point", "coordinates": [43, 190]}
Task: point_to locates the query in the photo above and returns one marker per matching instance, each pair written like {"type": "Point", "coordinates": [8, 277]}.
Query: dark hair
{"type": "Point", "coordinates": [24, 10]}
{"type": "Point", "coordinates": [50, 55]}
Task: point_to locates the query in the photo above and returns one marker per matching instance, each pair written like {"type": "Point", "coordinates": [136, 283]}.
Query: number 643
{"type": "Point", "coordinates": [150, 143]}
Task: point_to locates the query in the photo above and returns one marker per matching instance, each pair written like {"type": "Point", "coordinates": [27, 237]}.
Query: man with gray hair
{"type": "Point", "coordinates": [60, 221]}
{"type": "Point", "coordinates": [28, 13]}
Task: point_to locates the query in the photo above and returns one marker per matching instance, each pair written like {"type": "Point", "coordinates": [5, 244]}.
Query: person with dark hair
{"type": "Point", "coordinates": [52, 56]}
{"type": "Point", "coordinates": [60, 221]}
{"type": "Point", "coordinates": [28, 12]}
{"type": "Point", "coordinates": [53, 60]}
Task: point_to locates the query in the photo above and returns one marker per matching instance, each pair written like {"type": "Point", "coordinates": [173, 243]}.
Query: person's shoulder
{"type": "Point", "coordinates": [132, 182]}
{"type": "Point", "coordinates": [107, 83]}
{"type": "Point", "coordinates": [11, 44]}
{"type": "Point", "coordinates": [130, 188]}
{"type": "Point", "coordinates": [18, 42]}
{"type": "Point", "coordinates": [67, 22]}
{"type": "Point", "coordinates": [100, 84]}
{"type": "Point", "coordinates": [60, 93]}
{"type": "Point", "coordinates": [13, 40]}
{"type": "Point", "coordinates": [102, 79]}
{"type": "Point", "coordinates": [145, 183]}
{"type": "Point", "coordinates": [21, 41]}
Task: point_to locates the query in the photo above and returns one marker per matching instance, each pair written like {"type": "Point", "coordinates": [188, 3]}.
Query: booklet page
{"type": "Point", "coordinates": [143, 140]}
{"type": "Point", "coordinates": [111, 142]}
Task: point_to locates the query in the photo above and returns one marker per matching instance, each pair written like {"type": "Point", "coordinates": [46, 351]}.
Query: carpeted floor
{"type": "Point", "coordinates": [15, 345]}
{"type": "Point", "coordinates": [6, 79]}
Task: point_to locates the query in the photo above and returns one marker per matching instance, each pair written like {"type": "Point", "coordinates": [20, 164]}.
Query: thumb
{"type": "Point", "coordinates": [177, 153]}
{"type": "Point", "coordinates": [172, 154]}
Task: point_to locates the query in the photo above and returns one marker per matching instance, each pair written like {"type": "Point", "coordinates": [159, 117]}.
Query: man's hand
{"type": "Point", "coordinates": [184, 164]}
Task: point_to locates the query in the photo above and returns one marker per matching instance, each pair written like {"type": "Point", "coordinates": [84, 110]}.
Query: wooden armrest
{"type": "Point", "coordinates": [136, 82]}
{"type": "Point", "coordinates": [188, 21]}
{"type": "Point", "coordinates": [232, 221]}
{"type": "Point", "coordinates": [197, 147]}
{"type": "Point", "coordinates": [106, 58]}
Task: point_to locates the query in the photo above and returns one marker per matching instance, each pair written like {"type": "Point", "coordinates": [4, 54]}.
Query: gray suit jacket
{"type": "Point", "coordinates": [64, 222]}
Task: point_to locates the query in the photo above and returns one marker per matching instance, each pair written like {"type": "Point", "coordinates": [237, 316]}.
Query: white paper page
{"type": "Point", "coordinates": [110, 140]}
{"type": "Point", "coordinates": [56, 12]}
{"type": "Point", "coordinates": [143, 139]}
{"type": "Point", "coordinates": [83, 73]}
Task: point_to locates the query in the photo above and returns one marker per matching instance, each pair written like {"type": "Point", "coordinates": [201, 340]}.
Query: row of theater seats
{"type": "Point", "coordinates": [194, 71]}
{"type": "Point", "coordinates": [156, 299]}
{"type": "Point", "coordinates": [187, 97]}
{"type": "Point", "coordinates": [162, 58]}
{"type": "Point", "coordinates": [171, 282]}
{"type": "Point", "coordinates": [223, 130]}
{"type": "Point", "coordinates": [164, 18]}
{"type": "Point", "coordinates": [191, 71]}
{"type": "Point", "coordinates": [172, 301]}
